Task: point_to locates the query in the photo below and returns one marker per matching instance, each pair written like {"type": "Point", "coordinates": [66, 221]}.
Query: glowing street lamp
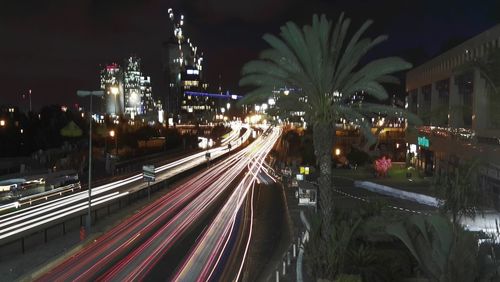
{"type": "Point", "coordinates": [2, 123]}
{"type": "Point", "coordinates": [112, 134]}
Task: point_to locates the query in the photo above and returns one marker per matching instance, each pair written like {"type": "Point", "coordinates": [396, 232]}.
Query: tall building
{"type": "Point", "coordinates": [183, 68]}
{"type": "Point", "coordinates": [132, 86]}
{"type": "Point", "coordinates": [128, 92]}
{"type": "Point", "coordinates": [112, 84]}
{"type": "Point", "coordinates": [148, 103]}
{"type": "Point", "coordinates": [453, 98]}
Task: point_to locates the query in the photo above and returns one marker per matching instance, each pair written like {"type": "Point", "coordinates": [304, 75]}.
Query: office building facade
{"type": "Point", "coordinates": [127, 91]}
{"type": "Point", "coordinates": [453, 97]}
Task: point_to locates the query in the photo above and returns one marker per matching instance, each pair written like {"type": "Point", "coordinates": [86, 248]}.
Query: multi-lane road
{"type": "Point", "coordinates": [132, 249]}
{"type": "Point", "coordinates": [25, 221]}
{"type": "Point", "coordinates": [208, 254]}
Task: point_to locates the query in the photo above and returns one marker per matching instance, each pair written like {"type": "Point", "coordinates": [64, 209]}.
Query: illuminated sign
{"type": "Point", "coordinates": [423, 142]}
{"type": "Point", "coordinates": [304, 170]}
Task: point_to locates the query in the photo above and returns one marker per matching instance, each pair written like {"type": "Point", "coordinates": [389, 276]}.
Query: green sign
{"type": "Point", "coordinates": [423, 142]}
{"type": "Point", "coordinates": [148, 173]}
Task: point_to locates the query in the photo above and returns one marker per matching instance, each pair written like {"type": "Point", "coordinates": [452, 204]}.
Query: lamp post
{"type": "Point", "coordinates": [84, 93]}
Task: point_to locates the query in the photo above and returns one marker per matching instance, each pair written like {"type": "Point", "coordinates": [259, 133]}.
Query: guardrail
{"type": "Point", "coordinates": [98, 205]}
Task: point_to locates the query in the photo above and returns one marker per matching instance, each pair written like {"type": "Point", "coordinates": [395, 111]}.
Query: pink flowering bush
{"type": "Point", "coordinates": [382, 165]}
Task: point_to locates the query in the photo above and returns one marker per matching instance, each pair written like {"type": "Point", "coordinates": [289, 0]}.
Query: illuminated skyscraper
{"type": "Point", "coordinates": [128, 92]}
{"type": "Point", "coordinates": [148, 104]}
{"type": "Point", "coordinates": [132, 86]}
{"type": "Point", "coordinates": [112, 84]}
{"type": "Point", "coordinates": [183, 67]}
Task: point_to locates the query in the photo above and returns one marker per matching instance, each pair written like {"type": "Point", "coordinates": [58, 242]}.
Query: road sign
{"type": "Point", "coordinates": [423, 141]}
{"type": "Point", "coordinates": [207, 155]}
{"type": "Point", "coordinates": [148, 173]}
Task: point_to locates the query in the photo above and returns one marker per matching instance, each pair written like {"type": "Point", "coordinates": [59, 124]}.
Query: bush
{"type": "Point", "coordinates": [358, 157]}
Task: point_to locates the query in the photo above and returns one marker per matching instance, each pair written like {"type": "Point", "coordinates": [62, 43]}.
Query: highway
{"type": "Point", "coordinates": [19, 223]}
{"type": "Point", "coordinates": [130, 250]}
{"type": "Point", "coordinates": [203, 261]}
{"type": "Point", "coordinates": [138, 263]}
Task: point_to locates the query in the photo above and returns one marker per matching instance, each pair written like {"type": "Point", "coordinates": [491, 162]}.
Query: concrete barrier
{"type": "Point", "coordinates": [300, 276]}
{"type": "Point", "coordinates": [397, 193]}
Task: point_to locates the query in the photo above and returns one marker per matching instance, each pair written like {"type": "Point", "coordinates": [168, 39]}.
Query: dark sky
{"type": "Point", "coordinates": [55, 47]}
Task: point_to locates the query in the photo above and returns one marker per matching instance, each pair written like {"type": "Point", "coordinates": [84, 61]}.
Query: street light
{"type": "Point", "coordinates": [2, 123]}
{"type": "Point", "coordinates": [83, 93]}
{"type": "Point", "coordinates": [112, 134]}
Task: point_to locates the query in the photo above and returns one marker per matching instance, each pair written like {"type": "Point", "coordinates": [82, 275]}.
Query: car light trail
{"type": "Point", "coordinates": [137, 264]}
{"type": "Point", "coordinates": [113, 245]}
{"type": "Point", "coordinates": [206, 255]}
{"type": "Point", "coordinates": [17, 222]}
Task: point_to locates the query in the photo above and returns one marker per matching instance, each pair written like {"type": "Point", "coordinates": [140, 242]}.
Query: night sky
{"type": "Point", "coordinates": [56, 47]}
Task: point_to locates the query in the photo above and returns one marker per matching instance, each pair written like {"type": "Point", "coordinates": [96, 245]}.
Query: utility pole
{"type": "Point", "coordinates": [83, 93]}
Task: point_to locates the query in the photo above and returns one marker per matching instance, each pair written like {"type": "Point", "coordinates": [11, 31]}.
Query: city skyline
{"type": "Point", "coordinates": [226, 32]}
{"type": "Point", "coordinates": [263, 140]}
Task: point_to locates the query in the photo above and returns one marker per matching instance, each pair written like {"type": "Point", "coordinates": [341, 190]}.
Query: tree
{"type": "Point", "coordinates": [443, 252]}
{"type": "Point", "coordinates": [71, 130]}
{"type": "Point", "coordinates": [324, 64]}
{"type": "Point", "coordinates": [460, 189]}
{"type": "Point", "coordinates": [326, 257]}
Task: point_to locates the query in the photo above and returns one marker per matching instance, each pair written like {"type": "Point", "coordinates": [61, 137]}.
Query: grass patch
{"type": "Point", "coordinates": [396, 178]}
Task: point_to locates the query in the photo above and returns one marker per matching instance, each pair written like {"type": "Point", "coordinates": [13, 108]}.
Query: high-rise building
{"type": "Point", "coordinates": [112, 84]}
{"type": "Point", "coordinates": [148, 104]}
{"type": "Point", "coordinates": [183, 68]}
{"type": "Point", "coordinates": [128, 92]}
{"type": "Point", "coordinates": [132, 86]}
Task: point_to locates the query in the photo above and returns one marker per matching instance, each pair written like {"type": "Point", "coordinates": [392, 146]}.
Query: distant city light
{"type": "Point", "coordinates": [112, 133]}
{"type": "Point", "coordinates": [114, 90]}
{"type": "Point", "coordinates": [337, 152]}
{"type": "Point", "coordinates": [2, 122]}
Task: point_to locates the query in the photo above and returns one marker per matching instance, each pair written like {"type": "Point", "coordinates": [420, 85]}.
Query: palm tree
{"type": "Point", "coordinates": [460, 188]}
{"type": "Point", "coordinates": [443, 252]}
{"type": "Point", "coordinates": [324, 63]}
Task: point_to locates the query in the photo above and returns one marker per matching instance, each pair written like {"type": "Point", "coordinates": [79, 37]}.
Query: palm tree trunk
{"type": "Point", "coordinates": [323, 134]}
